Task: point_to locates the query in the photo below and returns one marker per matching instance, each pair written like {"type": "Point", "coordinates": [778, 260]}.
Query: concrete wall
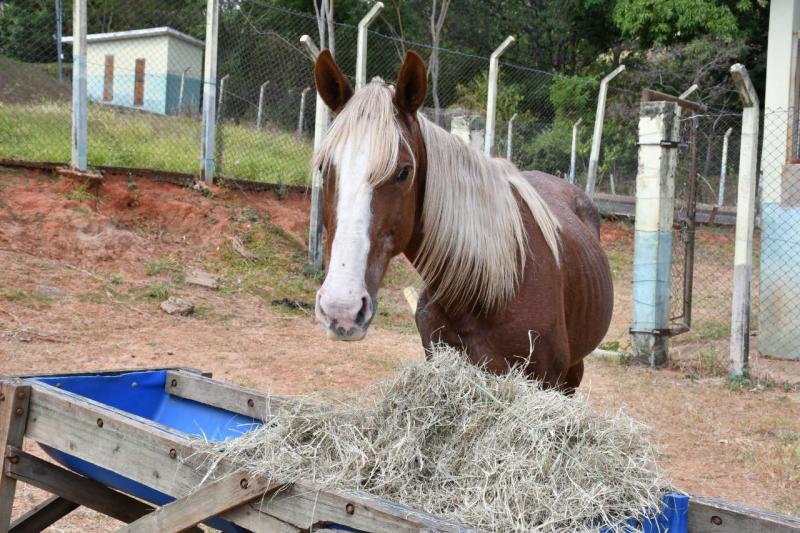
{"type": "Point", "coordinates": [183, 55]}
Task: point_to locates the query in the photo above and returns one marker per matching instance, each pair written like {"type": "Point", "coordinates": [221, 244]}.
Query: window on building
{"type": "Point", "coordinates": [108, 79]}
{"type": "Point", "coordinates": [138, 84]}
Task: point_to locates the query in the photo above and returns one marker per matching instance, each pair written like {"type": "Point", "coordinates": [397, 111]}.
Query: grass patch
{"type": "Point", "coordinates": [41, 132]}
{"type": "Point", "coordinates": [167, 265]}
{"type": "Point", "coordinates": [81, 193]}
{"type": "Point", "coordinates": [157, 291]}
{"type": "Point", "coordinates": [91, 297]}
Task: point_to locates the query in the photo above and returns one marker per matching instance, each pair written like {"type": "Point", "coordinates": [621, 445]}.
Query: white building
{"type": "Point", "coordinates": [156, 69]}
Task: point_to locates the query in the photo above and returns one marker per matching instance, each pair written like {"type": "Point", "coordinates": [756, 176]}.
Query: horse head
{"type": "Point", "coordinates": [373, 167]}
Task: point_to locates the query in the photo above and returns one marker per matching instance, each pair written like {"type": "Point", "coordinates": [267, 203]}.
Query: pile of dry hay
{"type": "Point", "coordinates": [493, 452]}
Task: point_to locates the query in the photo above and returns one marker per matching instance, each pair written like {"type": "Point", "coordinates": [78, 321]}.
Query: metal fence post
{"type": "Point", "coordinates": [597, 136]}
{"type": "Point", "coordinates": [509, 139]}
{"type": "Point", "coordinates": [260, 114]}
{"type": "Point", "coordinates": [573, 156]}
{"type": "Point", "coordinates": [723, 169]}
{"type": "Point", "coordinates": [183, 84]}
{"type": "Point", "coordinates": [301, 114]}
{"type": "Point", "coordinates": [207, 144]}
{"type": "Point", "coordinates": [59, 48]}
{"type": "Point", "coordinates": [321, 118]}
{"type": "Point", "coordinates": [491, 99]}
{"type": "Point", "coordinates": [361, 47]}
{"type": "Point", "coordinates": [80, 103]}
{"type": "Point", "coordinates": [745, 218]}
{"type": "Point", "coordinates": [652, 261]}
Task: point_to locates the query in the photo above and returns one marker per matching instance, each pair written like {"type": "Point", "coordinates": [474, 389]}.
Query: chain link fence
{"type": "Point", "coordinates": [779, 259]}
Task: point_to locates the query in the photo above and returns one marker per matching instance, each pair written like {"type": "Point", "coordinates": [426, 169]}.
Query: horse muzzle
{"type": "Point", "coordinates": [345, 317]}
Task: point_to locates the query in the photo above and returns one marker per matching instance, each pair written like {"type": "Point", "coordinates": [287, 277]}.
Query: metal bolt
{"type": "Point", "coordinates": [717, 521]}
{"type": "Point", "coordinates": [19, 411]}
{"type": "Point", "coordinates": [174, 382]}
{"type": "Point", "coordinates": [350, 508]}
{"type": "Point", "coordinates": [250, 402]}
{"type": "Point", "coordinates": [21, 395]}
{"type": "Point", "coordinates": [13, 459]}
{"type": "Point", "coordinates": [172, 453]}
{"type": "Point", "coordinates": [243, 483]}
{"type": "Point", "coordinates": [99, 422]}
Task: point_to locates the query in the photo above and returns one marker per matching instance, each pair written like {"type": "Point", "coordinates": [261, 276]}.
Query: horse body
{"type": "Point", "coordinates": [512, 263]}
{"type": "Point", "coordinates": [559, 314]}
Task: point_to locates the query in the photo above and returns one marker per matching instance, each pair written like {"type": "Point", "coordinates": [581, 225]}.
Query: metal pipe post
{"type": "Point", "coordinates": [597, 136]}
{"type": "Point", "coordinates": [59, 48]}
{"type": "Point", "coordinates": [573, 156]}
{"type": "Point", "coordinates": [745, 220]}
{"type": "Point", "coordinates": [491, 101]}
{"type": "Point", "coordinates": [207, 145]}
{"type": "Point", "coordinates": [321, 119]}
{"type": "Point", "coordinates": [80, 100]}
{"type": "Point", "coordinates": [260, 115]}
{"type": "Point", "coordinates": [301, 114]}
{"type": "Point", "coordinates": [510, 134]}
{"type": "Point", "coordinates": [222, 90]}
{"type": "Point", "coordinates": [183, 83]}
{"type": "Point", "coordinates": [361, 47]}
{"type": "Point", "coordinates": [723, 169]}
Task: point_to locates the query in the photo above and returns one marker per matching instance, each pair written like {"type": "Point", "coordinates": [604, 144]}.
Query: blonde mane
{"type": "Point", "coordinates": [474, 244]}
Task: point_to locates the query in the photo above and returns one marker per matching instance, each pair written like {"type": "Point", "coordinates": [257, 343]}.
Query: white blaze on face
{"type": "Point", "coordinates": [344, 284]}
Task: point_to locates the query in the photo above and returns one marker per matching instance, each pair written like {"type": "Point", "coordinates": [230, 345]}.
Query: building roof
{"type": "Point", "coordinates": [137, 34]}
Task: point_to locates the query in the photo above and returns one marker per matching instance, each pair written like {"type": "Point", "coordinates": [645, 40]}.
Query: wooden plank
{"type": "Point", "coordinates": [109, 372]}
{"type": "Point", "coordinates": [138, 83]}
{"type": "Point", "coordinates": [206, 502]}
{"type": "Point", "coordinates": [77, 489]}
{"type": "Point", "coordinates": [43, 515]}
{"type": "Point", "coordinates": [139, 449]}
{"type": "Point", "coordinates": [240, 400]}
{"type": "Point", "coordinates": [709, 515]}
{"type": "Point", "coordinates": [14, 410]}
{"type": "Point", "coordinates": [108, 79]}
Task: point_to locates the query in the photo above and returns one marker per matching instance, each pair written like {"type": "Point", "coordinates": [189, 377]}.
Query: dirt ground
{"type": "Point", "coordinates": [83, 272]}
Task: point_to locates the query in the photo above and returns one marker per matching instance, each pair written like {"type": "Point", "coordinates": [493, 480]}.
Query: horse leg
{"type": "Point", "coordinates": [573, 378]}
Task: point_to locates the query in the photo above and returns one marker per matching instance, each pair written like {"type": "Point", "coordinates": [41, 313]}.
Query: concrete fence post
{"type": "Point", "coordinates": [260, 114]}
{"type": "Point", "coordinates": [509, 138]}
{"type": "Point", "coordinates": [361, 46]}
{"type": "Point", "coordinates": [183, 85]}
{"type": "Point", "coordinates": [59, 46]}
{"type": "Point", "coordinates": [597, 136]}
{"type": "Point", "coordinates": [652, 261]}
{"type": "Point", "coordinates": [491, 99]}
{"type": "Point", "coordinates": [321, 119]}
{"type": "Point", "coordinates": [209, 125]}
{"type": "Point", "coordinates": [723, 167]}
{"type": "Point", "coordinates": [80, 99]}
{"type": "Point", "coordinates": [745, 221]}
{"type": "Point", "coordinates": [301, 114]}
{"type": "Point", "coordinates": [573, 155]}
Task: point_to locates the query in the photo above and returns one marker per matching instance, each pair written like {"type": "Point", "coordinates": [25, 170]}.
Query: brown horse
{"type": "Point", "coordinates": [511, 261]}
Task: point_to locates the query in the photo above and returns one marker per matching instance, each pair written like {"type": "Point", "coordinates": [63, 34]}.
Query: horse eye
{"type": "Point", "coordinates": [402, 176]}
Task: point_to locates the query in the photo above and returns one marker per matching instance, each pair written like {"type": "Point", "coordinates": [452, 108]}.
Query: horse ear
{"type": "Point", "coordinates": [332, 84]}
{"type": "Point", "coordinates": [411, 87]}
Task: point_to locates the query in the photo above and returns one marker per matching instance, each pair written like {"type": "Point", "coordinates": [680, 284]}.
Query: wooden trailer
{"type": "Point", "coordinates": [122, 445]}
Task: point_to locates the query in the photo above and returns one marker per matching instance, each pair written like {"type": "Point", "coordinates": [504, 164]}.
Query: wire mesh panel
{"type": "Point", "coordinates": [35, 94]}
{"type": "Point", "coordinates": [779, 260]}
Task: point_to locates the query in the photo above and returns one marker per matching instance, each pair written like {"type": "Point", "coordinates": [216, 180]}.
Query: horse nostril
{"type": "Point", "coordinates": [361, 317]}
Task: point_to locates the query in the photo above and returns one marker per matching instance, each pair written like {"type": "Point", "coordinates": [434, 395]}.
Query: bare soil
{"type": "Point", "coordinates": [113, 254]}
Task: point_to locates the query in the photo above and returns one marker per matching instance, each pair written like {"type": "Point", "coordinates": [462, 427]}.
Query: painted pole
{"type": "Point", "coordinates": [222, 90]}
{"type": "Point", "coordinates": [573, 155]}
{"type": "Point", "coordinates": [80, 101]}
{"type": "Point", "coordinates": [321, 119]}
{"type": "Point", "coordinates": [745, 220]}
{"type": "Point", "coordinates": [59, 48]}
{"type": "Point", "coordinates": [207, 145]}
{"type": "Point", "coordinates": [509, 139]}
{"type": "Point", "coordinates": [301, 114]}
{"type": "Point", "coordinates": [597, 136]}
{"type": "Point", "coordinates": [491, 100]}
{"type": "Point", "coordinates": [361, 47]}
{"type": "Point", "coordinates": [652, 260]}
{"type": "Point", "coordinates": [723, 169]}
{"type": "Point", "coordinates": [260, 115]}
{"type": "Point", "coordinates": [611, 182]}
